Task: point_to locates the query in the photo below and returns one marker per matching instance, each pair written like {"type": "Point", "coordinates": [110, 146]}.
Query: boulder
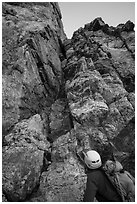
{"type": "Point", "coordinates": [21, 171]}
{"type": "Point", "coordinates": [65, 180]}
{"type": "Point", "coordinates": [23, 158]}
{"type": "Point", "coordinates": [28, 132]}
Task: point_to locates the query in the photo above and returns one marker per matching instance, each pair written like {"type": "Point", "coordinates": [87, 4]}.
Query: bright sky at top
{"type": "Point", "coordinates": [77, 14]}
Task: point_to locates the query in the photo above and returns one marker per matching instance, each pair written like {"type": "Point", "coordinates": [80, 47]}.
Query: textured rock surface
{"type": "Point", "coordinates": [23, 158]}
{"type": "Point", "coordinates": [59, 119]}
{"type": "Point", "coordinates": [100, 73]}
{"type": "Point", "coordinates": [61, 96]}
{"type": "Point", "coordinates": [32, 74]}
{"type": "Point", "coordinates": [21, 172]}
{"type": "Point", "coordinates": [65, 178]}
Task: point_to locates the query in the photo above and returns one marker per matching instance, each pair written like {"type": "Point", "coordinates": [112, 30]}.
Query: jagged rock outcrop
{"type": "Point", "coordinates": [100, 73]}
{"type": "Point", "coordinates": [61, 96]}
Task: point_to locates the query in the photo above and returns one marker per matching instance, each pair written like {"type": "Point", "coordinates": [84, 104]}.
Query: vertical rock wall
{"type": "Point", "coordinates": [61, 96]}
{"type": "Point", "coordinates": [31, 59]}
{"type": "Point", "coordinates": [32, 82]}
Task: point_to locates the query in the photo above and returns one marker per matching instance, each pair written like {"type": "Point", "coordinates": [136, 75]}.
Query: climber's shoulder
{"type": "Point", "coordinates": [95, 173]}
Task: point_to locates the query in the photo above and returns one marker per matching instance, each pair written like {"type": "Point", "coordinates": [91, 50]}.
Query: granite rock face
{"type": "Point", "coordinates": [23, 158]}
{"type": "Point", "coordinates": [61, 96]}
{"type": "Point", "coordinates": [32, 75]}
{"type": "Point", "coordinates": [65, 180]}
{"type": "Point", "coordinates": [59, 119]}
{"type": "Point", "coordinates": [32, 82]}
{"type": "Point", "coordinates": [100, 78]}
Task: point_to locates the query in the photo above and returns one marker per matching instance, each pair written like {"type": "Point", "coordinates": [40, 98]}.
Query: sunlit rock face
{"type": "Point", "coordinates": [61, 96]}
{"type": "Point", "coordinates": [32, 75]}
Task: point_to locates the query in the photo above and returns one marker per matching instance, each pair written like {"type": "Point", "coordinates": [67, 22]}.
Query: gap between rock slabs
{"type": "Point", "coordinates": [46, 161]}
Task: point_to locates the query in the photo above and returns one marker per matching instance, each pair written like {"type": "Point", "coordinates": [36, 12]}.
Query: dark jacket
{"type": "Point", "coordinates": [100, 187]}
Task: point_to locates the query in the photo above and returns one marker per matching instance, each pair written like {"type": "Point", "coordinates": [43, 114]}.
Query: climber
{"type": "Point", "coordinates": [125, 181]}
{"type": "Point", "coordinates": [98, 185]}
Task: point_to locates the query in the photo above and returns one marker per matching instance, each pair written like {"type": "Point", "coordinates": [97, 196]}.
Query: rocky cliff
{"type": "Point", "coordinates": [61, 96]}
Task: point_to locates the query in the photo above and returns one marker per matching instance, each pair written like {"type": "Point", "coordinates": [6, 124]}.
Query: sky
{"type": "Point", "coordinates": [77, 14]}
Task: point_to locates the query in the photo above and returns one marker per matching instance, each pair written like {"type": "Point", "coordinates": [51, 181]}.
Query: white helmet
{"type": "Point", "coordinates": [92, 159]}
